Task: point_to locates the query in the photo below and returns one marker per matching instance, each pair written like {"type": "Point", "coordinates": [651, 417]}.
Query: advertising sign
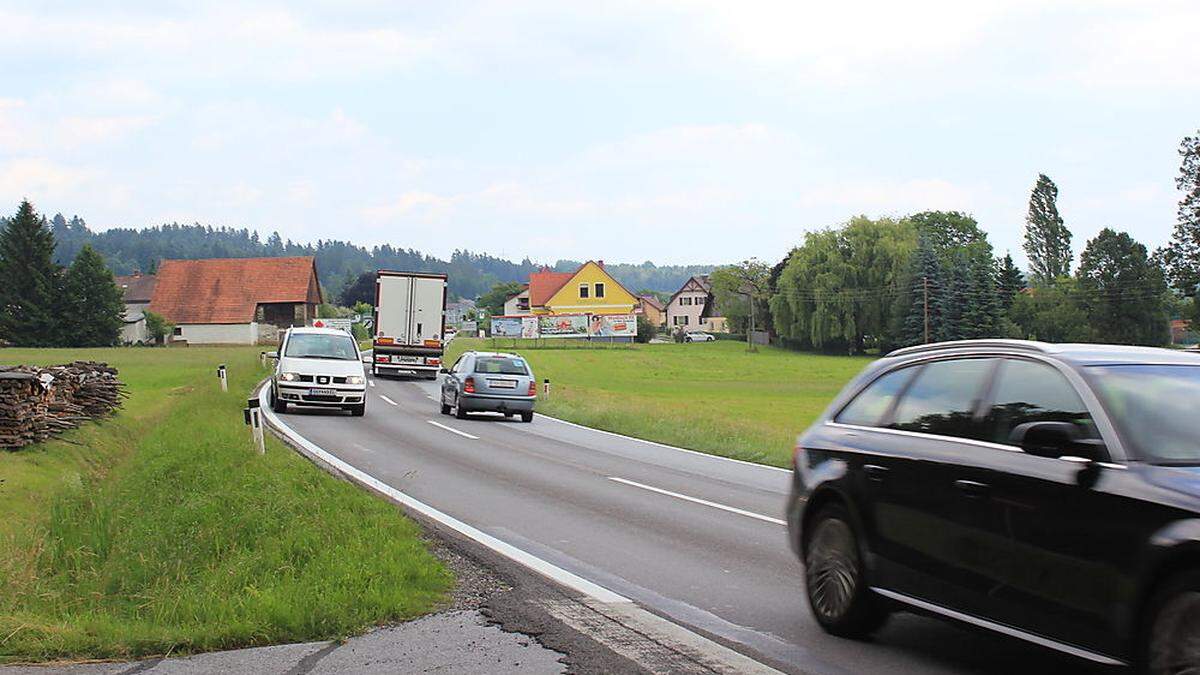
{"type": "Point", "coordinates": [468, 327]}
{"type": "Point", "coordinates": [507, 326]}
{"type": "Point", "coordinates": [339, 324]}
{"type": "Point", "coordinates": [563, 326]}
{"type": "Point", "coordinates": [529, 327]}
{"type": "Point", "coordinates": [613, 325]}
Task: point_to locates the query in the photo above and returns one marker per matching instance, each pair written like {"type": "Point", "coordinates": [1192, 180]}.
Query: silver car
{"type": "Point", "coordinates": [489, 382]}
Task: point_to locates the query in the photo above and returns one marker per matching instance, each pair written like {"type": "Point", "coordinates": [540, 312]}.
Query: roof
{"type": "Point", "coordinates": [229, 290]}
{"type": "Point", "coordinates": [137, 287]}
{"type": "Point", "coordinates": [1080, 353]}
{"type": "Point", "coordinates": [701, 280]}
{"type": "Point", "coordinates": [543, 285]}
{"type": "Point", "coordinates": [652, 301]}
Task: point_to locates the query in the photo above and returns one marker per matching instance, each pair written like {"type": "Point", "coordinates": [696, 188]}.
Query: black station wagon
{"type": "Point", "coordinates": [1047, 492]}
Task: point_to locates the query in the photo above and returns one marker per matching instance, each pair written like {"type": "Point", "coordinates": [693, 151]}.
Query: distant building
{"type": "Point", "coordinates": [138, 290]}
{"type": "Point", "coordinates": [653, 309]}
{"type": "Point", "coordinates": [692, 307]}
{"type": "Point", "coordinates": [588, 290]}
{"type": "Point", "coordinates": [1181, 333]}
{"type": "Point", "coordinates": [456, 312]}
{"type": "Point", "coordinates": [518, 304]}
{"type": "Point", "coordinates": [236, 300]}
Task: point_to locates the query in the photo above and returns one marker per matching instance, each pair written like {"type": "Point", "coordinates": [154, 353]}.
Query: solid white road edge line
{"type": "Point", "coordinates": [453, 430]}
{"type": "Point", "coordinates": [704, 502]}
{"type": "Point", "coordinates": [387, 399]}
{"type": "Point", "coordinates": [664, 445]}
{"type": "Point", "coordinates": [509, 551]}
{"type": "Point", "coordinates": [728, 660]}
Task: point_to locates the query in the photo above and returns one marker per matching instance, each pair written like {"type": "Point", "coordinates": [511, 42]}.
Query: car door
{"type": "Point", "coordinates": [1068, 525]}
{"type": "Point", "coordinates": [451, 383]}
{"type": "Point", "coordinates": [920, 526]}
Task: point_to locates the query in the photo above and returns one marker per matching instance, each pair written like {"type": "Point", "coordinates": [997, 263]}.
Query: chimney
{"type": "Point", "coordinates": [600, 263]}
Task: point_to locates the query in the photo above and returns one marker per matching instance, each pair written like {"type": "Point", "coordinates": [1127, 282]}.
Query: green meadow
{"type": "Point", "coordinates": [714, 397]}
{"type": "Point", "coordinates": [162, 530]}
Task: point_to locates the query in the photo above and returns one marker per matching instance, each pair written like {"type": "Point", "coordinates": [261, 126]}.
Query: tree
{"type": "Point", "coordinates": [1122, 295]}
{"type": "Point", "coordinates": [645, 330]}
{"type": "Point", "coordinates": [362, 289]}
{"type": "Point", "coordinates": [30, 282]}
{"type": "Point", "coordinates": [1047, 240]}
{"type": "Point", "coordinates": [1182, 256]}
{"type": "Point", "coordinates": [738, 289]}
{"type": "Point", "coordinates": [493, 300]}
{"type": "Point", "coordinates": [920, 322]}
{"type": "Point", "coordinates": [1051, 313]}
{"type": "Point", "coordinates": [157, 326]}
{"type": "Point", "coordinates": [96, 306]}
{"type": "Point", "coordinates": [1009, 281]}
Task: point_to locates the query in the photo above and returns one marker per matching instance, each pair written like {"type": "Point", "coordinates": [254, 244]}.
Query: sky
{"type": "Point", "coordinates": [662, 130]}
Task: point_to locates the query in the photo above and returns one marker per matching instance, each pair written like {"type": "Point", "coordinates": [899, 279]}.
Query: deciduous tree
{"type": "Point", "coordinates": [1047, 240]}
{"type": "Point", "coordinates": [1122, 295]}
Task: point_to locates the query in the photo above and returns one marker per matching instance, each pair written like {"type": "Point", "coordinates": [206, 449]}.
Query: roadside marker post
{"type": "Point", "coordinates": [222, 376]}
{"type": "Point", "coordinates": [253, 417]}
{"type": "Point", "coordinates": [546, 387]}
{"type": "Point", "coordinates": [262, 359]}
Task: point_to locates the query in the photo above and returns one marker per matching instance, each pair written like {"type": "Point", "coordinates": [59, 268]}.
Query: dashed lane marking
{"type": "Point", "coordinates": [704, 502]}
{"type": "Point", "coordinates": [453, 430]}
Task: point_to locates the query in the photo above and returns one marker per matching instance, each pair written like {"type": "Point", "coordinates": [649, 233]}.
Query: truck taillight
{"type": "Point", "coordinates": [433, 343]}
{"type": "Point", "coordinates": [469, 385]}
{"type": "Point", "coordinates": [533, 388]}
{"type": "Point", "coordinates": [382, 358]}
{"type": "Point", "coordinates": [384, 341]}
{"type": "Point", "coordinates": [433, 361]}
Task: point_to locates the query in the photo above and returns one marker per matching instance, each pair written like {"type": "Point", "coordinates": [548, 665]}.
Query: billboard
{"type": "Point", "coordinates": [529, 327]}
{"type": "Point", "coordinates": [339, 324]}
{"type": "Point", "coordinates": [563, 326]}
{"type": "Point", "coordinates": [507, 326]}
{"type": "Point", "coordinates": [612, 325]}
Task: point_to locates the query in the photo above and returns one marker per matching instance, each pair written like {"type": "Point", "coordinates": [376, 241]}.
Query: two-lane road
{"type": "Point", "coordinates": [695, 538]}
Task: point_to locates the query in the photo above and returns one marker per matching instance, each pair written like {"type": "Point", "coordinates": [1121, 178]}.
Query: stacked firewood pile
{"type": "Point", "coordinates": [36, 402]}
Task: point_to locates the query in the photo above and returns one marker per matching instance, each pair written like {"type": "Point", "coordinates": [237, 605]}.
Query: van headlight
{"type": "Point", "coordinates": [355, 379]}
{"type": "Point", "coordinates": [288, 377]}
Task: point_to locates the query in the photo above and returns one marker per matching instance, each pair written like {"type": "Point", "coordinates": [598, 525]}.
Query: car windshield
{"type": "Point", "coordinates": [321, 346]}
{"type": "Point", "coordinates": [1155, 408]}
{"type": "Point", "coordinates": [501, 365]}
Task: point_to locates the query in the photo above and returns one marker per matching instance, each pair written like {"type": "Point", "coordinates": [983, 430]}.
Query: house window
{"type": "Point", "coordinates": [685, 301]}
{"type": "Point", "coordinates": [583, 290]}
{"type": "Point", "coordinates": [178, 331]}
{"type": "Point", "coordinates": [599, 290]}
{"type": "Point", "coordinates": [681, 320]}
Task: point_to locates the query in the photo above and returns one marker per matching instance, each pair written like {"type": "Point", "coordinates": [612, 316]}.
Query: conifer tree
{"type": "Point", "coordinates": [1182, 256]}
{"type": "Point", "coordinates": [30, 282]}
{"type": "Point", "coordinates": [1009, 281]}
{"type": "Point", "coordinates": [926, 286]}
{"type": "Point", "coordinates": [1047, 240]}
{"type": "Point", "coordinates": [96, 303]}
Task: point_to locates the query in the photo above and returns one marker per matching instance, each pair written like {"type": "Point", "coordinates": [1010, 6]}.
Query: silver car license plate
{"type": "Point", "coordinates": [502, 384]}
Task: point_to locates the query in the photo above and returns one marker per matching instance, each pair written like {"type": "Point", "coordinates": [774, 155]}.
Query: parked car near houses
{"type": "Point", "coordinates": [1046, 492]}
{"type": "Point", "coordinates": [489, 382]}
{"type": "Point", "coordinates": [319, 367]}
{"type": "Point", "coordinates": [698, 337]}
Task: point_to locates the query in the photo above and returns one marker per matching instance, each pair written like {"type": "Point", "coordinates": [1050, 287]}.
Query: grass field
{"type": "Point", "coordinates": [713, 397]}
{"type": "Point", "coordinates": [162, 530]}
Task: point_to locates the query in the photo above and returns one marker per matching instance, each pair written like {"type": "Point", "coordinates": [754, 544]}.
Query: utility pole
{"type": "Point", "coordinates": [925, 285]}
{"type": "Point", "coordinates": [750, 335]}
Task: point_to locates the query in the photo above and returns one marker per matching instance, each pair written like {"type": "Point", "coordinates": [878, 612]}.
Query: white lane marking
{"type": "Point", "coordinates": [705, 502]}
{"type": "Point", "coordinates": [372, 382]}
{"type": "Point", "coordinates": [388, 399]}
{"type": "Point", "coordinates": [549, 570]}
{"type": "Point", "coordinates": [664, 445]}
{"type": "Point", "coordinates": [453, 430]}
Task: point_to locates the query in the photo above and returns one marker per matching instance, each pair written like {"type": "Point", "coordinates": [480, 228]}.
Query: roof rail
{"type": "Point", "coordinates": [1023, 345]}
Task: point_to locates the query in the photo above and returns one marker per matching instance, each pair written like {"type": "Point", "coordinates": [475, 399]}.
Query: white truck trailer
{"type": "Point", "coordinates": [410, 313]}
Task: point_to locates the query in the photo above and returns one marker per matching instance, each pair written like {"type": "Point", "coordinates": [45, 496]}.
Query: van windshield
{"type": "Point", "coordinates": [321, 346]}
{"type": "Point", "coordinates": [1155, 408]}
{"type": "Point", "coordinates": [501, 365]}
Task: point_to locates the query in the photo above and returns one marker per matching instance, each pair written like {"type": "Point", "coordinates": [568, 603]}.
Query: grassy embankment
{"type": "Point", "coordinates": [162, 530]}
{"type": "Point", "coordinates": [713, 397]}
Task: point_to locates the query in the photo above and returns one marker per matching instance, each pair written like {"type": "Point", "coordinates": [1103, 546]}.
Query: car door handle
{"type": "Point", "coordinates": [875, 472]}
{"type": "Point", "coordinates": [973, 489]}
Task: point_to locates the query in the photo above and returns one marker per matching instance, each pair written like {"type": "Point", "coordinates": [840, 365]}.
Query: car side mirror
{"type": "Point", "coordinates": [1056, 440]}
{"type": "Point", "coordinates": [444, 370]}
{"type": "Point", "coordinates": [366, 359]}
{"type": "Point", "coordinates": [273, 355]}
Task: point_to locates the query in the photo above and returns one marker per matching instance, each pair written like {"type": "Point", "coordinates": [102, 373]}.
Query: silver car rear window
{"type": "Point", "coordinates": [497, 365]}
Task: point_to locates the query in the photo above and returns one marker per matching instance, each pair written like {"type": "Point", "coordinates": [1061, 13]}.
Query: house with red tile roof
{"type": "Point", "coordinates": [236, 300]}
{"type": "Point", "coordinates": [590, 289]}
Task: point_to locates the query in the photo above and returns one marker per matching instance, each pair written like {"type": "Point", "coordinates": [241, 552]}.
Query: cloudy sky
{"type": "Point", "coordinates": [649, 129]}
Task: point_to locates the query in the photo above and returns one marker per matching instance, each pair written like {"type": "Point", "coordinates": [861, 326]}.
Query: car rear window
{"type": "Point", "coordinates": [501, 365]}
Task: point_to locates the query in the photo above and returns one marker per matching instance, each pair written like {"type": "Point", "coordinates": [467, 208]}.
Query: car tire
{"type": "Point", "coordinates": [459, 412]}
{"type": "Point", "coordinates": [277, 404]}
{"type": "Point", "coordinates": [1171, 629]}
{"type": "Point", "coordinates": [445, 407]}
{"type": "Point", "coordinates": [835, 581]}
{"type": "Point", "coordinates": [527, 417]}
{"type": "Point", "coordinates": [358, 410]}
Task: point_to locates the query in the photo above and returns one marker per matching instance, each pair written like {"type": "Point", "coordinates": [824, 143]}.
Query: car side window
{"type": "Point", "coordinates": [868, 408]}
{"type": "Point", "coordinates": [943, 397]}
{"type": "Point", "coordinates": [462, 365]}
{"type": "Point", "coordinates": [1028, 391]}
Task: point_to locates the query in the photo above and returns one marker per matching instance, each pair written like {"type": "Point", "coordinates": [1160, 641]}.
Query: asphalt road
{"type": "Point", "coordinates": [694, 538]}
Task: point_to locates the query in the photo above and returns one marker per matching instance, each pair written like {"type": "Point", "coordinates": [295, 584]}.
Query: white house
{"type": "Point", "coordinates": [692, 308]}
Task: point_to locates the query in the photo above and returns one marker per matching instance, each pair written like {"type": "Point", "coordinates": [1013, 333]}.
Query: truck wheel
{"type": "Point", "coordinates": [527, 417]}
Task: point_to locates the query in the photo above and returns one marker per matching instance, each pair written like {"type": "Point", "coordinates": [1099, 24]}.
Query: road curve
{"type": "Point", "coordinates": [695, 538]}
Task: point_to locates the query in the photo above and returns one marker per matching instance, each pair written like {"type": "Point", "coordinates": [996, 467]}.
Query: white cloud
{"type": "Point", "coordinates": [38, 178]}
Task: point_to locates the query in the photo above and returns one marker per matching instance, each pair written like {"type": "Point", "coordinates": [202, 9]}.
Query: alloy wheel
{"type": "Point", "coordinates": [832, 569]}
{"type": "Point", "coordinates": [1175, 637]}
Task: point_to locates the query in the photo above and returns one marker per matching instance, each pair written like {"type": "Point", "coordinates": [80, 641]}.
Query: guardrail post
{"type": "Point", "coordinates": [221, 375]}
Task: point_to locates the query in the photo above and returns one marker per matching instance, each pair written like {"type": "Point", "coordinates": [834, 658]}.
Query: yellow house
{"type": "Point", "coordinates": [588, 290]}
